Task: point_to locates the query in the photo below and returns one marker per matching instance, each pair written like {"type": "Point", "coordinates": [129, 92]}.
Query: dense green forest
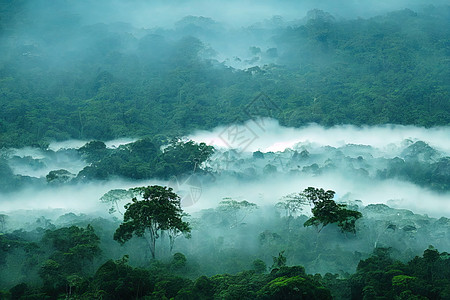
{"type": "Point", "coordinates": [71, 258]}
{"type": "Point", "coordinates": [61, 79]}
{"type": "Point", "coordinates": [138, 208]}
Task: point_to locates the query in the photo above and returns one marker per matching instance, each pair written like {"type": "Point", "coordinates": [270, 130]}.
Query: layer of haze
{"type": "Point", "coordinates": [265, 135]}
{"type": "Point", "coordinates": [268, 135]}
{"type": "Point", "coordinates": [230, 28]}
{"type": "Point", "coordinates": [147, 14]}
{"type": "Point", "coordinates": [385, 142]}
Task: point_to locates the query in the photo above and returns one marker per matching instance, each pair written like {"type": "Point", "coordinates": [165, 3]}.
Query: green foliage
{"type": "Point", "coordinates": [178, 261]}
{"type": "Point", "coordinates": [390, 69]}
{"type": "Point", "coordinates": [402, 283]}
{"type": "Point", "coordinates": [52, 274]}
{"type": "Point", "coordinates": [59, 176]}
{"type": "Point", "coordinates": [113, 197]}
{"type": "Point", "coordinates": [258, 154]}
{"type": "Point", "coordinates": [287, 288]}
{"type": "Point", "coordinates": [11, 182]}
{"type": "Point", "coordinates": [326, 211]}
{"type": "Point", "coordinates": [259, 266]}
{"type": "Point", "coordinates": [236, 210]}
{"type": "Point", "coordinates": [169, 287]}
{"type": "Point", "coordinates": [432, 172]}
{"type": "Point", "coordinates": [18, 290]}
{"type": "Point", "coordinates": [378, 276]}
{"type": "Point", "coordinates": [382, 70]}
{"type": "Point", "coordinates": [292, 205]}
{"type": "Point", "coordinates": [143, 159]}
{"type": "Point", "coordinates": [73, 251]}
{"type": "Point", "coordinates": [74, 242]}
{"type": "Point", "coordinates": [10, 242]}
{"type": "Point", "coordinates": [118, 280]}
{"type": "Point", "coordinates": [159, 211]}
{"type": "Point", "coordinates": [93, 151]}
{"type": "Point", "coordinates": [279, 261]}
{"type": "Point", "coordinates": [293, 284]}
{"type": "Point", "coordinates": [421, 278]}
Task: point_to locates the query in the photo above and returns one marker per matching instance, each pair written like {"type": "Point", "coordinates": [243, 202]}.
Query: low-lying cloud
{"type": "Point", "coordinates": [246, 178]}
{"type": "Point", "coordinates": [273, 137]}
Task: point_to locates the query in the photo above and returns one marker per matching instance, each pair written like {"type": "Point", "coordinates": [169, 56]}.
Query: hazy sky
{"type": "Point", "coordinates": [233, 12]}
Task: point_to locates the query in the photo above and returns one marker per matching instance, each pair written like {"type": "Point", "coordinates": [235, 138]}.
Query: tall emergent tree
{"type": "Point", "coordinates": [292, 205]}
{"type": "Point", "coordinates": [327, 211]}
{"type": "Point", "coordinates": [236, 210]}
{"type": "Point", "coordinates": [158, 211]}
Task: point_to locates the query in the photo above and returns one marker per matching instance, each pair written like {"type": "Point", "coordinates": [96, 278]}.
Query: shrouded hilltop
{"type": "Point", "coordinates": [67, 77]}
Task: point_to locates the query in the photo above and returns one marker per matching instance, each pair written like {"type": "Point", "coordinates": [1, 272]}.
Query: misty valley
{"type": "Point", "coordinates": [224, 150]}
{"type": "Point", "coordinates": [217, 186]}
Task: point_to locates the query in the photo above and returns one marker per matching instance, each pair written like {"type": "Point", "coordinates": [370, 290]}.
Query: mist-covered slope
{"type": "Point", "coordinates": [64, 76]}
{"type": "Point", "coordinates": [403, 166]}
{"type": "Point", "coordinates": [389, 242]}
{"type": "Point", "coordinates": [213, 149]}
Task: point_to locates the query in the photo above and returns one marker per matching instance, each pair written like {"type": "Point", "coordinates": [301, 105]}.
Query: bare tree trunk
{"type": "Point", "coordinates": [172, 241]}
{"type": "Point", "coordinates": [151, 240]}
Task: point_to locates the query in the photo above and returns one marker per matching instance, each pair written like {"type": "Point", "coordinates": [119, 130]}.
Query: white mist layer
{"type": "Point", "coordinates": [49, 162]}
{"type": "Point", "coordinates": [395, 193]}
{"type": "Point", "coordinates": [62, 161]}
{"type": "Point", "coordinates": [232, 12]}
{"type": "Point", "coordinates": [75, 144]}
{"type": "Point", "coordinates": [79, 198]}
{"type": "Point", "coordinates": [387, 141]}
{"type": "Point", "coordinates": [267, 135]}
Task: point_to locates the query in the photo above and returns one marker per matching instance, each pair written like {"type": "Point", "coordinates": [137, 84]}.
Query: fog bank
{"type": "Point", "coordinates": [267, 135]}
{"type": "Point", "coordinates": [347, 159]}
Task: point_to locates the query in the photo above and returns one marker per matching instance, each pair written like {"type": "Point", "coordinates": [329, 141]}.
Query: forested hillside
{"type": "Point", "coordinates": [236, 251]}
{"type": "Point", "coordinates": [294, 152]}
{"type": "Point", "coordinates": [62, 79]}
